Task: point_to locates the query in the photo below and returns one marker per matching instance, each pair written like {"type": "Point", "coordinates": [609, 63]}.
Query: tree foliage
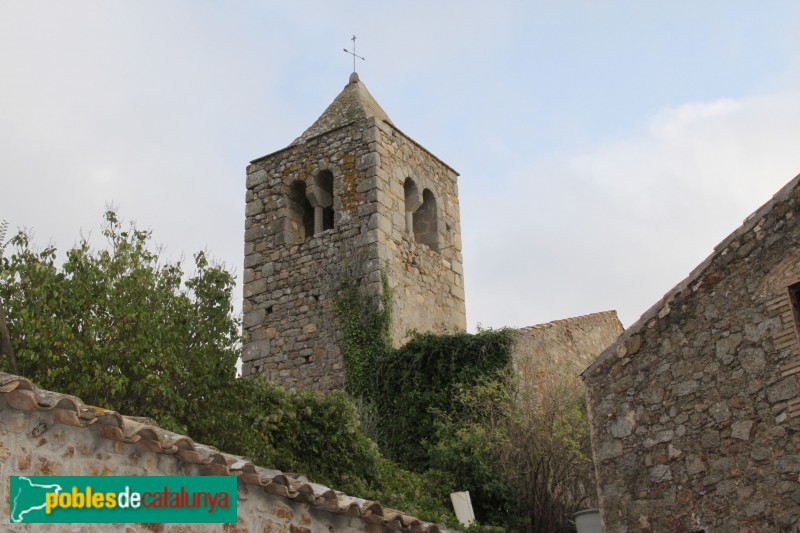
{"type": "Point", "coordinates": [417, 385]}
{"type": "Point", "coordinates": [521, 448]}
{"type": "Point", "coordinates": [116, 326]}
{"type": "Point", "coordinates": [534, 436]}
{"type": "Point", "coordinates": [123, 329]}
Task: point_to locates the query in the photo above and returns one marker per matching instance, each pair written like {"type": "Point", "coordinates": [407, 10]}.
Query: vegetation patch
{"type": "Point", "coordinates": [122, 328]}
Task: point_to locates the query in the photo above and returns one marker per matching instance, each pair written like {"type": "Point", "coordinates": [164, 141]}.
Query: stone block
{"type": "Point", "coordinates": [256, 350]}
{"type": "Point", "coordinates": [787, 464]}
{"type": "Point", "coordinates": [694, 465]}
{"type": "Point", "coordinates": [256, 178]}
{"type": "Point", "coordinates": [741, 429]}
{"type": "Point", "coordinates": [726, 346]}
{"type": "Point", "coordinates": [660, 473]}
{"type": "Point", "coordinates": [752, 360]}
{"type": "Point", "coordinates": [253, 260]}
{"type": "Point", "coordinates": [622, 426]}
{"type": "Point", "coordinates": [784, 389]}
{"type": "Point", "coordinates": [254, 318]}
{"type": "Point", "coordinates": [610, 450]}
{"type": "Point", "coordinates": [685, 387]}
{"type": "Point", "coordinates": [254, 207]}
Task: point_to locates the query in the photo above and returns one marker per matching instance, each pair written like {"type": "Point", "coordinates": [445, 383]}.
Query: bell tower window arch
{"type": "Point", "coordinates": [320, 195]}
{"type": "Point", "coordinates": [413, 200]}
{"type": "Point", "coordinates": [300, 218]}
{"type": "Point", "coordinates": [425, 221]}
{"type": "Point", "coordinates": [421, 214]}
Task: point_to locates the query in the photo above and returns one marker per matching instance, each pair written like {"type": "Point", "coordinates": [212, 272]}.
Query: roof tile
{"type": "Point", "coordinates": [21, 394]}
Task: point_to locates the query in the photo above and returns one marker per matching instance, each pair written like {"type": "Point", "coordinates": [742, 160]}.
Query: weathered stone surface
{"type": "Point", "coordinates": [788, 464]}
{"type": "Point", "coordinates": [741, 429]}
{"type": "Point", "coordinates": [685, 387]}
{"type": "Point", "coordinates": [256, 350]}
{"type": "Point", "coordinates": [784, 389]}
{"type": "Point", "coordinates": [710, 367]}
{"type": "Point", "coordinates": [609, 450]}
{"type": "Point", "coordinates": [752, 360]}
{"type": "Point", "coordinates": [727, 345]}
{"type": "Point", "coordinates": [694, 465]}
{"type": "Point", "coordinates": [622, 427]}
{"type": "Point", "coordinates": [660, 473]}
{"type": "Point", "coordinates": [296, 249]}
{"type": "Point", "coordinates": [572, 342]}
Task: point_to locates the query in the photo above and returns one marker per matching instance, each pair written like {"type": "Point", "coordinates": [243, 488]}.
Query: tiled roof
{"type": "Point", "coordinates": [21, 394]}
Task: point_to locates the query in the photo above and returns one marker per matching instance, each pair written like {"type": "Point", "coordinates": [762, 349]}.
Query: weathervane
{"type": "Point", "coordinates": [353, 53]}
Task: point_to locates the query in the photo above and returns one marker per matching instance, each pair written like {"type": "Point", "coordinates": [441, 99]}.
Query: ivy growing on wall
{"type": "Point", "coordinates": [366, 319]}
{"type": "Point", "coordinates": [413, 394]}
{"type": "Point", "coordinates": [416, 386]}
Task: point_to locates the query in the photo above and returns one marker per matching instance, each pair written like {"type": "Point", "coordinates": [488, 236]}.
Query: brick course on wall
{"type": "Point", "coordinates": [44, 433]}
{"type": "Point", "coordinates": [291, 279]}
{"type": "Point", "coordinates": [694, 410]}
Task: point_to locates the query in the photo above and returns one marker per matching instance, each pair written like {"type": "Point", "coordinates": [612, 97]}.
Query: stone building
{"type": "Point", "coordinates": [352, 196]}
{"type": "Point", "coordinates": [695, 410]}
{"type": "Point", "coordinates": [569, 343]}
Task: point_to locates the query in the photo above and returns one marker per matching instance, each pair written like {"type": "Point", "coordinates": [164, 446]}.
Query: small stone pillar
{"type": "Point", "coordinates": [317, 219]}
{"type": "Point", "coordinates": [413, 202]}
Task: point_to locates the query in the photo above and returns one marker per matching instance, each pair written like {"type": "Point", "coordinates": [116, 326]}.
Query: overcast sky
{"type": "Point", "coordinates": [604, 147]}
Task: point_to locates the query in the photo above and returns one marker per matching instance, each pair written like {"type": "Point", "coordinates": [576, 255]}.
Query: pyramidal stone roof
{"type": "Point", "coordinates": [353, 104]}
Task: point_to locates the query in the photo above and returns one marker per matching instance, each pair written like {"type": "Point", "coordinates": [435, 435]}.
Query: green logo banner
{"type": "Point", "coordinates": [122, 499]}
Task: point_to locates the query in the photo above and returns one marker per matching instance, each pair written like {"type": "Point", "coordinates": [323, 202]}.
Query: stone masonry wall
{"type": "Point", "coordinates": [44, 433]}
{"type": "Point", "coordinates": [293, 333]}
{"type": "Point", "coordinates": [575, 341]}
{"type": "Point", "coordinates": [289, 289]}
{"type": "Point", "coordinates": [427, 285]}
{"type": "Point", "coordinates": [694, 411]}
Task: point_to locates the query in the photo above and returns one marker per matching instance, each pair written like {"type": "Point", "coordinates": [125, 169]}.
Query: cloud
{"type": "Point", "coordinates": [157, 107]}
{"type": "Point", "coordinates": [617, 225]}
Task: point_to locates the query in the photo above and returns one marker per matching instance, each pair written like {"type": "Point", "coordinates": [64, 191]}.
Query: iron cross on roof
{"type": "Point", "coordinates": [353, 53]}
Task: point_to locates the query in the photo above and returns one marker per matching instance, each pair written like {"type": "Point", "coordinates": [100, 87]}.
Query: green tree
{"type": "Point", "coordinates": [123, 329]}
{"type": "Point", "coordinates": [6, 348]}
{"type": "Point", "coordinates": [524, 446]}
{"type": "Point", "coordinates": [117, 326]}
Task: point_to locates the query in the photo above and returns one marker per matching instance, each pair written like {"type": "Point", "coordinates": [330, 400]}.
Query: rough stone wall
{"type": "Point", "coordinates": [293, 333]}
{"type": "Point", "coordinates": [292, 329]}
{"type": "Point", "coordinates": [34, 443]}
{"type": "Point", "coordinates": [575, 341]}
{"type": "Point", "coordinates": [427, 285]}
{"type": "Point", "coordinates": [694, 410]}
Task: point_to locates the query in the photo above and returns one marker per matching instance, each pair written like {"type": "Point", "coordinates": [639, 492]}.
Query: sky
{"type": "Point", "coordinates": [604, 148]}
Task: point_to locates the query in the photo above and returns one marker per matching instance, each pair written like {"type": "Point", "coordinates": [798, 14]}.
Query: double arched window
{"type": "Point", "coordinates": [310, 207]}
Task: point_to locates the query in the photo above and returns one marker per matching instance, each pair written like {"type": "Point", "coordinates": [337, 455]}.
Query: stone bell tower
{"type": "Point", "coordinates": [352, 187]}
